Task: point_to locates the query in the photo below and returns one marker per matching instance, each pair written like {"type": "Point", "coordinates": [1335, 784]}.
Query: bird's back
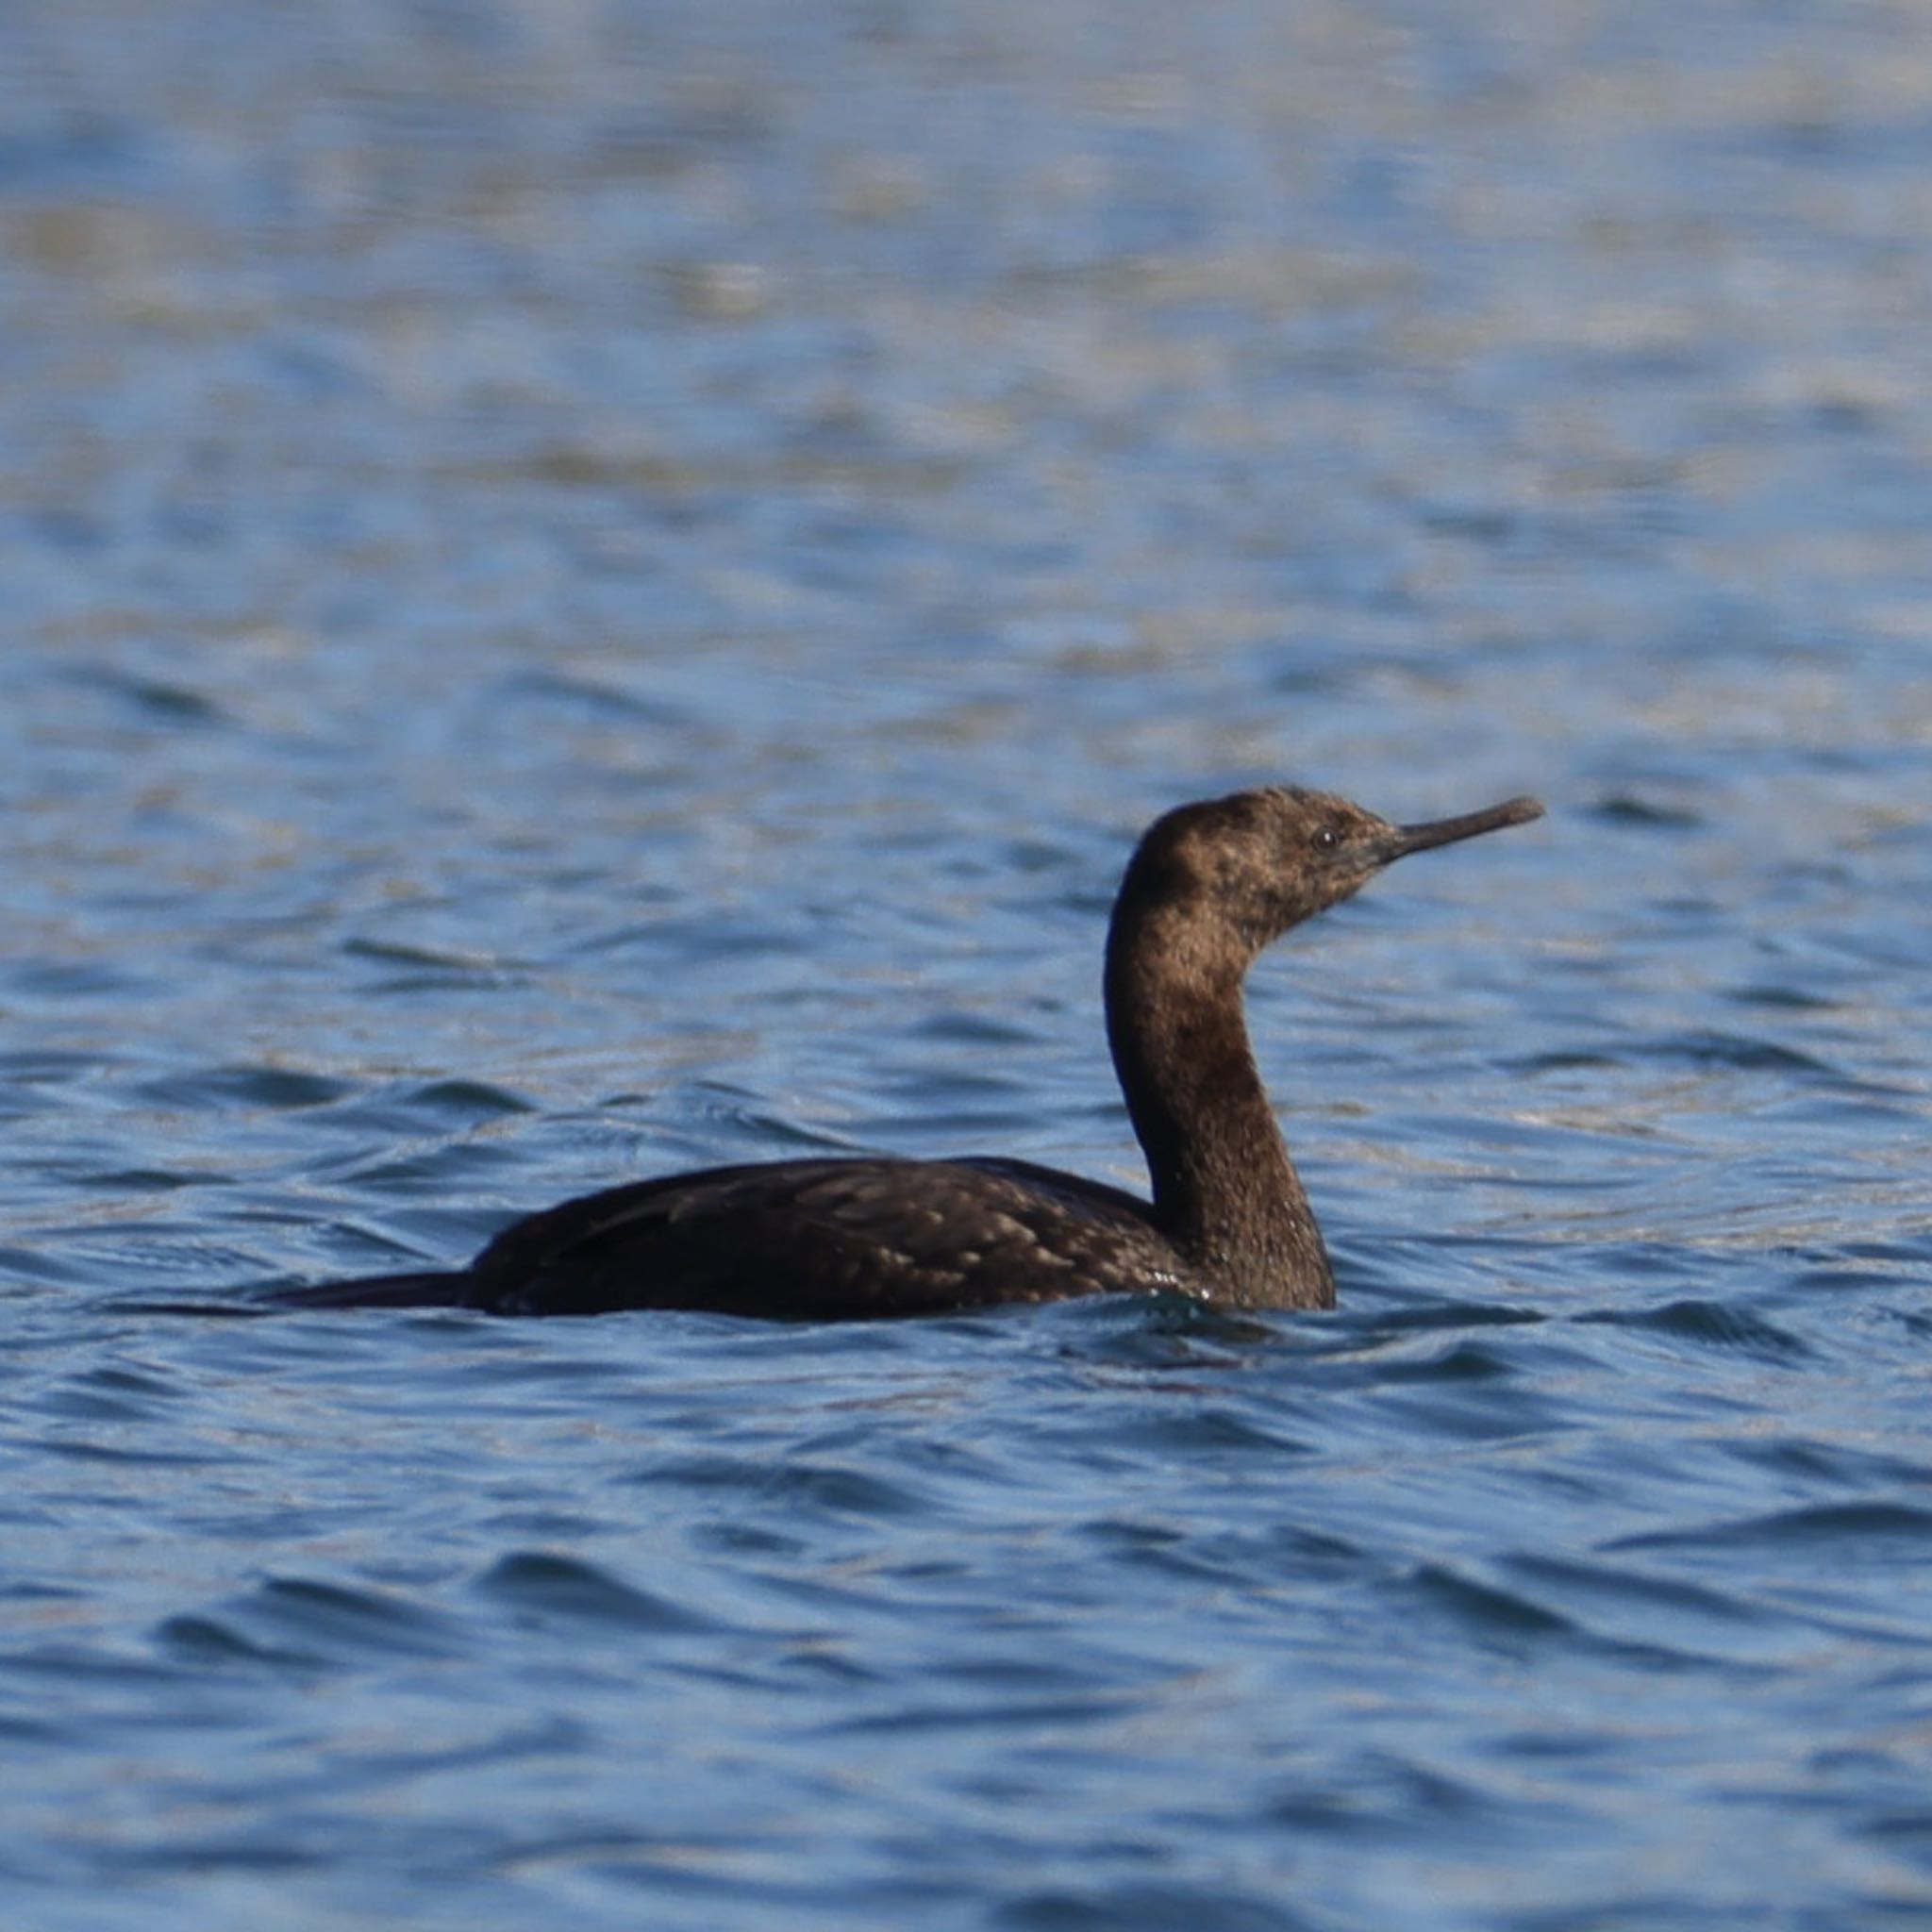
{"type": "Point", "coordinates": [829, 1239]}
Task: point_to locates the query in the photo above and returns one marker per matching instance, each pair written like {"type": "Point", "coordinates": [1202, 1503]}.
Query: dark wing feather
{"type": "Point", "coordinates": [1092, 1198]}
{"type": "Point", "coordinates": [829, 1239]}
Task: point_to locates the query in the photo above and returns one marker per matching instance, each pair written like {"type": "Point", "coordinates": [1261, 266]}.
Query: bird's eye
{"type": "Point", "coordinates": [1326, 839]}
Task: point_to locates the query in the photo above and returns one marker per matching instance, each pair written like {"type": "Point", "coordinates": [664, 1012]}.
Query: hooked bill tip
{"type": "Point", "coordinates": [1518, 811]}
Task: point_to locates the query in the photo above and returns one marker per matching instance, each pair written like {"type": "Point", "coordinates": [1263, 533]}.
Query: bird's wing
{"type": "Point", "coordinates": [816, 1239]}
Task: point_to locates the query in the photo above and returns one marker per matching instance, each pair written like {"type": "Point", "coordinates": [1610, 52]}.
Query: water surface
{"type": "Point", "coordinates": [592, 588]}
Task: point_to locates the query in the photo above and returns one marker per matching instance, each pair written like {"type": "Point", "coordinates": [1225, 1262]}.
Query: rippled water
{"type": "Point", "coordinates": [594, 586]}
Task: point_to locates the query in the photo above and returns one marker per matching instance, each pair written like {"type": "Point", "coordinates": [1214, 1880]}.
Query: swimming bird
{"type": "Point", "coordinates": [1209, 888]}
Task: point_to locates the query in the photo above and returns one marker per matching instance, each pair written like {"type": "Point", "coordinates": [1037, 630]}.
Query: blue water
{"type": "Point", "coordinates": [592, 587]}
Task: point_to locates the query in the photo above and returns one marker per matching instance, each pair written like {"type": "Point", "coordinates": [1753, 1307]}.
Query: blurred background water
{"type": "Point", "coordinates": [594, 586]}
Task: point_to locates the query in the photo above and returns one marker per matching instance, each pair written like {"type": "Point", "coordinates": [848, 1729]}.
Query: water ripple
{"type": "Point", "coordinates": [593, 588]}
{"type": "Point", "coordinates": [554, 1587]}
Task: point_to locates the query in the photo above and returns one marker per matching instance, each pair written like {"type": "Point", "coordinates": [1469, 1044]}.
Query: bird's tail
{"type": "Point", "coordinates": [431, 1289]}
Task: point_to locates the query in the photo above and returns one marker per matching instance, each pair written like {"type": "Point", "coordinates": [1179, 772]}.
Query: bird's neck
{"type": "Point", "coordinates": [1225, 1192]}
